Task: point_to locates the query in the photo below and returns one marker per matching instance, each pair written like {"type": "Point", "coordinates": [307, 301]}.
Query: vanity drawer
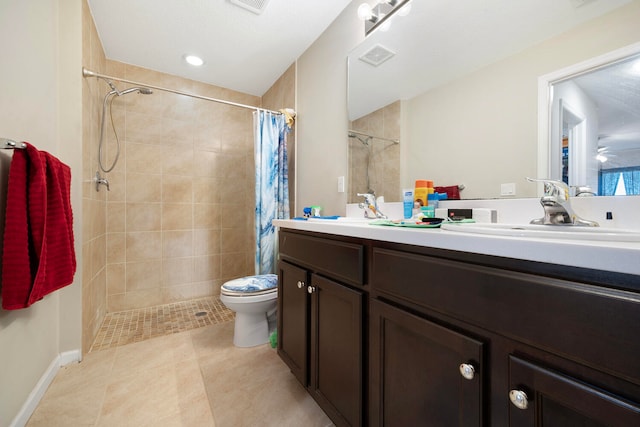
{"type": "Point", "coordinates": [340, 260]}
{"type": "Point", "coordinates": [571, 319]}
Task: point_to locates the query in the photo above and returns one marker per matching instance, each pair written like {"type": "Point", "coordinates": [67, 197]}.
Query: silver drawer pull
{"type": "Point", "coordinates": [311, 289]}
{"type": "Point", "coordinates": [519, 399]}
{"type": "Point", "coordinates": [300, 284]}
{"type": "Point", "coordinates": [467, 371]}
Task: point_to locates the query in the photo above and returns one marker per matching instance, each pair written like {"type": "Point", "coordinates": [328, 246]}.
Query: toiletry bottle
{"type": "Point", "coordinates": [420, 192]}
{"type": "Point", "coordinates": [428, 211]}
{"type": "Point", "coordinates": [407, 202]}
{"type": "Point", "coordinates": [432, 200]}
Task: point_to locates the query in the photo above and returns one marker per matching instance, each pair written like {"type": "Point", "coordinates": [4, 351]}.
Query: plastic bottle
{"type": "Point", "coordinates": [432, 200]}
{"type": "Point", "coordinates": [421, 191]}
{"type": "Point", "coordinates": [407, 202]}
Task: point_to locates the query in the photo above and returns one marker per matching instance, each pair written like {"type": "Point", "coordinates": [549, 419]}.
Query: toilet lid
{"type": "Point", "coordinates": [253, 285]}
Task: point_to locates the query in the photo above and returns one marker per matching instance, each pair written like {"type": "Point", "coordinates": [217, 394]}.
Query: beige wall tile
{"type": "Point", "coordinates": [176, 244]}
{"type": "Point", "coordinates": [177, 216]}
{"type": "Point", "coordinates": [206, 242]}
{"type": "Point", "coordinates": [143, 187]}
{"type": "Point", "coordinates": [177, 189]}
{"type": "Point", "coordinates": [143, 216]}
{"type": "Point", "coordinates": [144, 245]}
{"type": "Point", "coordinates": [206, 215]}
{"type": "Point", "coordinates": [206, 190]}
{"type": "Point", "coordinates": [116, 217]}
{"type": "Point", "coordinates": [116, 248]}
{"type": "Point", "coordinates": [234, 265]}
{"type": "Point", "coordinates": [116, 278]}
{"type": "Point", "coordinates": [206, 268]}
{"type": "Point", "coordinates": [177, 271]}
{"type": "Point", "coordinates": [144, 275]}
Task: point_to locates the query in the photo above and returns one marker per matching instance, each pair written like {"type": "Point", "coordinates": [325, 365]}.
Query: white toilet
{"type": "Point", "coordinates": [254, 300]}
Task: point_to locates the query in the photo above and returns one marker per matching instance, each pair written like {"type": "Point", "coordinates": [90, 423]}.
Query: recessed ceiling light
{"type": "Point", "coordinates": [196, 61]}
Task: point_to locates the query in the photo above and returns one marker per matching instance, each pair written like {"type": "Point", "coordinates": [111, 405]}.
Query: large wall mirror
{"type": "Point", "coordinates": [462, 78]}
{"type": "Point", "coordinates": [594, 123]}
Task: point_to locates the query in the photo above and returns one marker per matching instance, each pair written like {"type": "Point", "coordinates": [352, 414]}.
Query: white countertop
{"type": "Point", "coordinates": [622, 257]}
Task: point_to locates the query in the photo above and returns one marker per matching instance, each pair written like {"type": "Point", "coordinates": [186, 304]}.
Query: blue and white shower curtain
{"type": "Point", "coordinates": [272, 184]}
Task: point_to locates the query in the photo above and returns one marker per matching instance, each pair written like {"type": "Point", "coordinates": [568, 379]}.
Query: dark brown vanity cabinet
{"type": "Point", "coordinates": [400, 335]}
{"type": "Point", "coordinates": [320, 322]}
{"type": "Point", "coordinates": [545, 398]}
{"type": "Point", "coordinates": [422, 373]}
{"type": "Point", "coordinates": [546, 351]}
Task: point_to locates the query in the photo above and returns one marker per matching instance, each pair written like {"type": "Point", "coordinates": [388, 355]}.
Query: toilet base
{"type": "Point", "coordinates": [250, 329]}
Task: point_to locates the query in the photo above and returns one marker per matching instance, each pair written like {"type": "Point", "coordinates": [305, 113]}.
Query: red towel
{"type": "Point", "coordinates": [453, 191]}
{"type": "Point", "coordinates": [38, 255]}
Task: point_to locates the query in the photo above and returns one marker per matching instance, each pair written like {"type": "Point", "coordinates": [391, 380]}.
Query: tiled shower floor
{"type": "Point", "coordinates": [124, 327]}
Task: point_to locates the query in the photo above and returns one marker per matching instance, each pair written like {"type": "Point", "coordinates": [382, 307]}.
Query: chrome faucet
{"type": "Point", "coordinates": [370, 206]}
{"type": "Point", "coordinates": [557, 207]}
{"type": "Point", "coordinates": [583, 191]}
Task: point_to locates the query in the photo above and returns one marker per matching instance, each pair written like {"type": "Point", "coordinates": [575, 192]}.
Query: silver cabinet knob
{"type": "Point", "coordinates": [300, 284]}
{"type": "Point", "coordinates": [467, 371]}
{"type": "Point", "coordinates": [519, 399]}
{"type": "Point", "coordinates": [311, 289]}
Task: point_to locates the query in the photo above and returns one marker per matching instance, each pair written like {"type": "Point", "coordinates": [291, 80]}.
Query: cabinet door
{"type": "Point", "coordinates": [293, 319]}
{"type": "Point", "coordinates": [542, 397]}
{"type": "Point", "coordinates": [336, 350]}
{"type": "Point", "coordinates": [416, 372]}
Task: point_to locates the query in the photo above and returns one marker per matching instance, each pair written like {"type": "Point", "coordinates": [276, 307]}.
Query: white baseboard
{"type": "Point", "coordinates": [29, 406]}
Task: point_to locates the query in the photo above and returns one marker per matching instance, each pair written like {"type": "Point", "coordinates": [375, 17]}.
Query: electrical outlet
{"type": "Point", "coordinates": [508, 189]}
{"type": "Point", "coordinates": [341, 184]}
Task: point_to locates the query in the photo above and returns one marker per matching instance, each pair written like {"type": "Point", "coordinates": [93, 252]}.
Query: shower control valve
{"type": "Point", "coordinates": [99, 180]}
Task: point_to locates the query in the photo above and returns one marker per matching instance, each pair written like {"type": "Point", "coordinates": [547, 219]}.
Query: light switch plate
{"type": "Point", "coordinates": [341, 184]}
{"type": "Point", "coordinates": [508, 189]}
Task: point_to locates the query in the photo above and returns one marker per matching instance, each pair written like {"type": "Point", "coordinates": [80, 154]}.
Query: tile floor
{"type": "Point", "coordinates": [192, 378]}
{"type": "Point", "coordinates": [125, 327]}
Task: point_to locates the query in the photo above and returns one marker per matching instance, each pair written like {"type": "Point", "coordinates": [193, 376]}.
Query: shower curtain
{"type": "Point", "coordinates": [272, 185]}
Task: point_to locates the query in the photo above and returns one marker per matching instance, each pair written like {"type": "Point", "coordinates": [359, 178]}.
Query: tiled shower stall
{"type": "Point", "coordinates": [179, 217]}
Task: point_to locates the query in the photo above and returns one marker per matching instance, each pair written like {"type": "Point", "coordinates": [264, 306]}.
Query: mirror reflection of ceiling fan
{"type": "Point", "coordinates": [604, 153]}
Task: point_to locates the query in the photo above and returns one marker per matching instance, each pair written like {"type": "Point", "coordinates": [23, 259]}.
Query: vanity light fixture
{"type": "Point", "coordinates": [194, 60]}
{"type": "Point", "coordinates": [376, 16]}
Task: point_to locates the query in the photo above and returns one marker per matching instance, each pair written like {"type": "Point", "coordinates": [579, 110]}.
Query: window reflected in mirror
{"type": "Point", "coordinates": [595, 129]}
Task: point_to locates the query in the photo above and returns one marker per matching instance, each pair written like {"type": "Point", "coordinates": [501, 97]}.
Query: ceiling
{"type": "Point", "coordinates": [242, 50]}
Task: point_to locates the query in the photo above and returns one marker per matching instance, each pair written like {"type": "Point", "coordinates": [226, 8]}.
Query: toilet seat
{"type": "Point", "coordinates": [263, 284]}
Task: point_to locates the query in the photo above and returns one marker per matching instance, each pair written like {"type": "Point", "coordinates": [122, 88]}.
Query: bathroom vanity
{"type": "Point", "coordinates": [388, 326]}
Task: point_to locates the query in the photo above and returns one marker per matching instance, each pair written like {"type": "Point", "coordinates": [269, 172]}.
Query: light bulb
{"type": "Point", "coordinates": [364, 12]}
{"type": "Point", "coordinates": [196, 61]}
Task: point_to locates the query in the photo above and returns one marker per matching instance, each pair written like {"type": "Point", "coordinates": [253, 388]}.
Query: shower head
{"type": "Point", "coordinates": [142, 90]}
{"type": "Point", "coordinates": [364, 141]}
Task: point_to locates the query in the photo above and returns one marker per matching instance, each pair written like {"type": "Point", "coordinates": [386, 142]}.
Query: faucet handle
{"type": "Point", "coordinates": [369, 197]}
{"type": "Point", "coordinates": [553, 188]}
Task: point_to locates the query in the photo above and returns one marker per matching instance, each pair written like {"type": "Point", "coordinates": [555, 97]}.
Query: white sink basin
{"type": "Point", "coordinates": [547, 231]}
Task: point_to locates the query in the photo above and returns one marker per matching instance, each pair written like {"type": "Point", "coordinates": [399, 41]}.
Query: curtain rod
{"type": "Point", "coordinates": [395, 141]}
{"type": "Point", "coordinates": [89, 73]}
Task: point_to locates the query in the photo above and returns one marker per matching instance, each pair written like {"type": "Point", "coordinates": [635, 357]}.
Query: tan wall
{"type": "Point", "coordinates": [322, 108]}
{"type": "Point", "coordinates": [41, 103]}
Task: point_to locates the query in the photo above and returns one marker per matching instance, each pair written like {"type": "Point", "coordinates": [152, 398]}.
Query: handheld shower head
{"type": "Point", "coordinates": [142, 90]}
